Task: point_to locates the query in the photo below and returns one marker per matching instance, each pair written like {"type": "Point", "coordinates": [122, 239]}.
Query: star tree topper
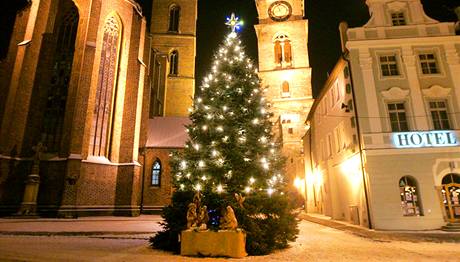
{"type": "Point", "coordinates": [233, 22]}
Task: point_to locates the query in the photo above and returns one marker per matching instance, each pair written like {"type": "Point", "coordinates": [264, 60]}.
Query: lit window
{"type": "Point", "coordinates": [389, 65]}
{"type": "Point", "coordinates": [428, 64]}
{"type": "Point", "coordinates": [174, 14]}
{"type": "Point", "coordinates": [410, 202]}
{"type": "Point", "coordinates": [398, 19]}
{"type": "Point", "coordinates": [285, 89]}
{"type": "Point", "coordinates": [173, 63]}
{"type": "Point", "coordinates": [439, 115]}
{"type": "Point", "coordinates": [283, 52]}
{"type": "Point", "coordinates": [156, 173]}
{"type": "Point", "coordinates": [398, 119]}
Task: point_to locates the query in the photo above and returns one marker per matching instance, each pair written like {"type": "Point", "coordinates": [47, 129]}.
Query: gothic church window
{"type": "Point", "coordinates": [283, 52]}
{"type": "Point", "coordinates": [106, 87]}
{"type": "Point", "coordinates": [410, 199]}
{"type": "Point", "coordinates": [174, 13]}
{"type": "Point", "coordinates": [157, 75]}
{"type": "Point", "coordinates": [64, 47]}
{"type": "Point", "coordinates": [174, 63]}
{"type": "Point", "coordinates": [156, 173]}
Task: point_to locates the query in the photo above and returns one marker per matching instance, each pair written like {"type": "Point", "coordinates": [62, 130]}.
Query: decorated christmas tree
{"type": "Point", "coordinates": [231, 157]}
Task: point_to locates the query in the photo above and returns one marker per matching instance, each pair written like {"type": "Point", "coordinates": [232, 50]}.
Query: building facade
{"type": "Point", "coordinates": [386, 154]}
{"type": "Point", "coordinates": [284, 68]}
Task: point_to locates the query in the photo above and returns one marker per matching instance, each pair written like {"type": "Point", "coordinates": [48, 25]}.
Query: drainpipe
{"type": "Point", "coordinates": [144, 149]}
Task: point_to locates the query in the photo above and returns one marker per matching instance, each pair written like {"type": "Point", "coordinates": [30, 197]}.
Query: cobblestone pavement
{"type": "Point", "coordinates": [315, 243]}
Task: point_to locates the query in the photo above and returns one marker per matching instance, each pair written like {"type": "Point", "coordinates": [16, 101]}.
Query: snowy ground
{"type": "Point", "coordinates": [315, 243]}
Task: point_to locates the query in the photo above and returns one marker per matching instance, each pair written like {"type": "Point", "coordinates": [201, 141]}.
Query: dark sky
{"type": "Point", "coordinates": [323, 15]}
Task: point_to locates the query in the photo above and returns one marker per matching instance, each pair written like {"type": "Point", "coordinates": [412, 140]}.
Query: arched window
{"type": "Point", "coordinates": [106, 87]}
{"type": "Point", "coordinates": [450, 191]}
{"type": "Point", "coordinates": [64, 34]}
{"type": "Point", "coordinates": [283, 52]}
{"type": "Point", "coordinates": [173, 63]}
{"type": "Point", "coordinates": [156, 173]}
{"type": "Point", "coordinates": [285, 89]}
{"type": "Point", "coordinates": [410, 199]}
{"type": "Point", "coordinates": [174, 13]}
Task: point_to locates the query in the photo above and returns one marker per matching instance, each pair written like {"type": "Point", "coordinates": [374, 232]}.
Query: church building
{"type": "Point", "coordinates": [82, 86]}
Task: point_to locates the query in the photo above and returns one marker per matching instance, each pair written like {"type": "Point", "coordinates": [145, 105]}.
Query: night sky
{"type": "Point", "coordinates": [323, 15]}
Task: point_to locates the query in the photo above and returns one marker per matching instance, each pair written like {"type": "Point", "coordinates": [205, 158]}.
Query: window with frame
{"type": "Point", "coordinates": [439, 115]}
{"type": "Point", "coordinates": [174, 63]}
{"type": "Point", "coordinates": [283, 53]}
{"type": "Point", "coordinates": [174, 13]}
{"type": "Point", "coordinates": [428, 64]}
{"type": "Point", "coordinates": [398, 19]}
{"type": "Point", "coordinates": [285, 89]}
{"type": "Point", "coordinates": [105, 90]}
{"type": "Point", "coordinates": [410, 199]}
{"type": "Point", "coordinates": [398, 118]}
{"type": "Point", "coordinates": [156, 173]}
{"type": "Point", "coordinates": [389, 65]}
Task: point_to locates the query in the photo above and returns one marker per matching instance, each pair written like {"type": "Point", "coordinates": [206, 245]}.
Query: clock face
{"type": "Point", "coordinates": [280, 11]}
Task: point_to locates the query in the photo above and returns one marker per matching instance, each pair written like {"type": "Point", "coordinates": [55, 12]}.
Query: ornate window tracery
{"type": "Point", "coordinates": [106, 87]}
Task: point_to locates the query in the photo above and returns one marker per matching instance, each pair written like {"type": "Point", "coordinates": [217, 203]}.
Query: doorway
{"type": "Point", "coordinates": [450, 197]}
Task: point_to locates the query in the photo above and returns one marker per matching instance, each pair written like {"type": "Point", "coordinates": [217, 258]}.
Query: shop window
{"type": "Point", "coordinates": [398, 19]}
{"type": "Point", "coordinates": [428, 64]}
{"type": "Point", "coordinates": [410, 199]}
{"type": "Point", "coordinates": [106, 87]}
{"type": "Point", "coordinates": [439, 115]}
{"type": "Point", "coordinates": [174, 13]}
{"type": "Point", "coordinates": [156, 173]}
{"type": "Point", "coordinates": [397, 115]}
{"type": "Point", "coordinates": [173, 63]}
{"type": "Point", "coordinates": [389, 65]}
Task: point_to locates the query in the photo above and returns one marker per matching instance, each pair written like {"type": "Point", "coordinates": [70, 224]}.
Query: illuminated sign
{"type": "Point", "coordinates": [425, 139]}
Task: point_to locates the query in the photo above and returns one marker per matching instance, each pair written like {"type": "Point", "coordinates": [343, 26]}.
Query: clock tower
{"type": "Point", "coordinates": [284, 68]}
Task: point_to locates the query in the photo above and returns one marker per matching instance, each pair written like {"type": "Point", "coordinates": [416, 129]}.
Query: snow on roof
{"type": "Point", "coordinates": [167, 132]}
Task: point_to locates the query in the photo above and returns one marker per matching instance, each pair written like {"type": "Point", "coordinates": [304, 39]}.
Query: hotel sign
{"type": "Point", "coordinates": [425, 139]}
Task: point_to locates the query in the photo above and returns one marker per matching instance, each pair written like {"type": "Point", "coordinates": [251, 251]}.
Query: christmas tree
{"type": "Point", "coordinates": [231, 157]}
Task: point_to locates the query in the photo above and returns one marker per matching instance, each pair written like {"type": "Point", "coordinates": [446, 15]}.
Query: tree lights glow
{"type": "Point", "coordinates": [230, 135]}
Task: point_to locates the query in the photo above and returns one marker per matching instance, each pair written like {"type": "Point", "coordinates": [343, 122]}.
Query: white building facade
{"type": "Point", "coordinates": [399, 144]}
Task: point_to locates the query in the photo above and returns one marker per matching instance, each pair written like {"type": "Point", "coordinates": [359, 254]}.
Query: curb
{"type": "Point", "coordinates": [385, 236]}
{"type": "Point", "coordinates": [75, 233]}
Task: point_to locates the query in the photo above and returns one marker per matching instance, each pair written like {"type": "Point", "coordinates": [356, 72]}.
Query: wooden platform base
{"type": "Point", "coordinates": [224, 243]}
